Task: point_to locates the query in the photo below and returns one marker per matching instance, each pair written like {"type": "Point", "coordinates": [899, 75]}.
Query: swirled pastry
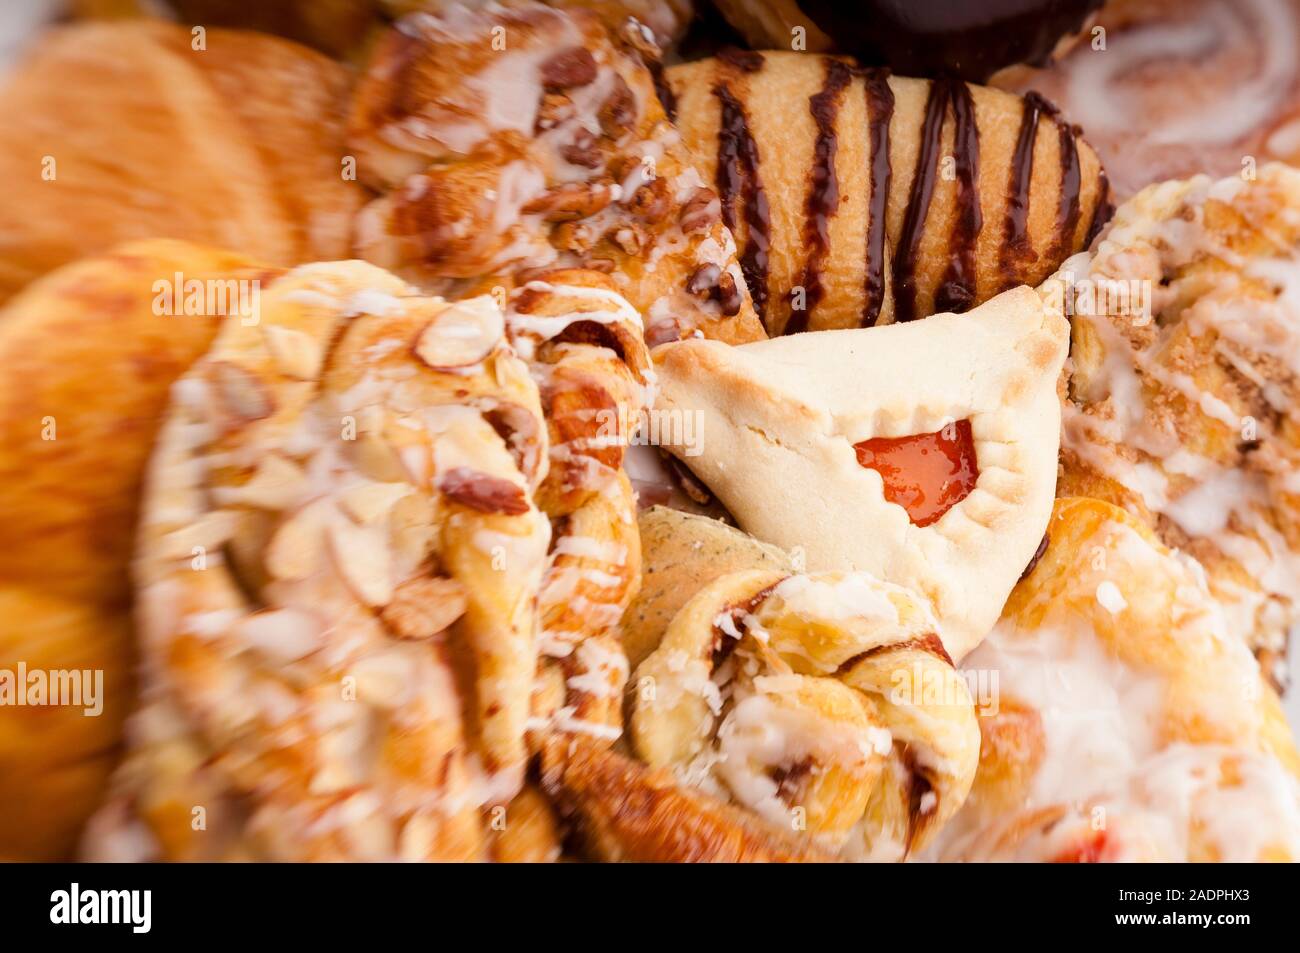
{"type": "Point", "coordinates": [1186, 378]}
{"type": "Point", "coordinates": [512, 138]}
{"type": "Point", "coordinates": [88, 361]}
{"type": "Point", "coordinates": [936, 474]}
{"type": "Point", "coordinates": [858, 198]}
{"type": "Point", "coordinates": [824, 703]}
{"type": "Point", "coordinates": [1122, 722]}
{"type": "Point", "coordinates": [339, 567]}
{"type": "Point", "coordinates": [238, 145]}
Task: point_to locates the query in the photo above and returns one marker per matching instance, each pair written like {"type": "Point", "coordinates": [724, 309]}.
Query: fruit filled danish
{"type": "Point", "coordinates": [1186, 377]}
{"type": "Point", "coordinates": [936, 473]}
{"type": "Point", "coordinates": [1122, 722]}
{"type": "Point", "coordinates": [511, 138]}
{"type": "Point", "coordinates": [858, 198]}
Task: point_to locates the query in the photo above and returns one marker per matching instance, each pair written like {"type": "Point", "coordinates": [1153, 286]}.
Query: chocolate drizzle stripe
{"type": "Point", "coordinates": [1102, 210]}
{"type": "Point", "coordinates": [738, 179]}
{"type": "Point", "coordinates": [667, 98]}
{"type": "Point", "coordinates": [918, 204]}
{"type": "Point", "coordinates": [1016, 247]}
{"type": "Point", "coordinates": [956, 291]}
{"type": "Point", "coordinates": [823, 198]}
{"type": "Point", "coordinates": [1067, 213]}
{"type": "Point", "coordinates": [880, 112]}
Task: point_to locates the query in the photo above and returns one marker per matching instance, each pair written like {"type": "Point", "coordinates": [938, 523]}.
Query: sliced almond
{"type": "Point", "coordinates": [462, 334]}
{"type": "Point", "coordinates": [383, 680]}
{"type": "Point", "coordinates": [295, 548]}
{"type": "Point", "coordinates": [371, 502]}
{"type": "Point", "coordinates": [412, 529]}
{"type": "Point", "coordinates": [242, 395]}
{"type": "Point", "coordinates": [483, 491]}
{"type": "Point", "coordinates": [210, 531]}
{"type": "Point", "coordinates": [295, 353]}
{"type": "Point", "coordinates": [363, 560]}
{"type": "Point", "coordinates": [281, 635]}
{"type": "Point", "coordinates": [421, 608]}
{"type": "Point", "coordinates": [277, 484]}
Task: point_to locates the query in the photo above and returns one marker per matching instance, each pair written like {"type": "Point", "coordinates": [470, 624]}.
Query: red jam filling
{"type": "Point", "coordinates": [927, 473]}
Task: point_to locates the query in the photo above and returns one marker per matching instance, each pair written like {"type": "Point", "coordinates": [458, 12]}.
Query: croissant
{"type": "Point", "coordinates": [858, 198]}
{"type": "Point", "coordinates": [88, 361]}
{"type": "Point", "coordinates": [1183, 398]}
{"type": "Point", "coordinates": [1124, 724]}
{"type": "Point", "coordinates": [825, 703]}
{"type": "Point", "coordinates": [510, 138]}
{"type": "Point", "coordinates": [116, 131]}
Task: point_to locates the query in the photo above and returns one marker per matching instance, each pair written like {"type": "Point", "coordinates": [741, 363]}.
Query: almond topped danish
{"type": "Point", "coordinates": [339, 571]}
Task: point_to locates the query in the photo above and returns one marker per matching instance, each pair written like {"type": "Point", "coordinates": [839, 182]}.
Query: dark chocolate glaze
{"type": "Point", "coordinates": [956, 292]}
{"type": "Point", "coordinates": [933, 38]}
{"type": "Point", "coordinates": [880, 111]}
{"type": "Point", "coordinates": [667, 98]}
{"type": "Point", "coordinates": [738, 179]}
{"type": "Point", "coordinates": [918, 204]}
{"type": "Point", "coordinates": [1102, 211]}
{"type": "Point", "coordinates": [1017, 250]}
{"type": "Point", "coordinates": [747, 61]}
{"type": "Point", "coordinates": [823, 198]}
{"type": "Point", "coordinates": [1067, 212]}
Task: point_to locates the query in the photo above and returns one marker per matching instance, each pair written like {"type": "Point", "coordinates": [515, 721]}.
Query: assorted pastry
{"type": "Point", "coordinates": [616, 431]}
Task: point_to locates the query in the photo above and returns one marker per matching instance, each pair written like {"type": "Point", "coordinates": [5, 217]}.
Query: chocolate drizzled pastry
{"type": "Point", "coordinates": [860, 198]}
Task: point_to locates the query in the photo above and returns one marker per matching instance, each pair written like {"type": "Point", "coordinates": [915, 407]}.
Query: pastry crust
{"type": "Point", "coordinates": [89, 361]}
{"type": "Point", "coordinates": [780, 420]}
{"type": "Point", "coordinates": [826, 135]}
{"type": "Point", "coordinates": [237, 145]}
{"type": "Point", "coordinates": [511, 138]}
{"type": "Point", "coordinates": [1186, 379]}
{"type": "Point", "coordinates": [1125, 724]}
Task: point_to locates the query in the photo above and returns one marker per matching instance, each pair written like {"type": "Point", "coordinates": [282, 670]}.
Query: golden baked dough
{"type": "Point", "coordinates": [339, 568]}
{"type": "Point", "coordinates": [621, 811]}
{"type": "Point", "coordinates": [117, 131]}
{"type": "Point", "coordinates": [88, 364]}
{"type": "Point", "coordinates": [788, 426]}
{"type": "Point", "coordinates": [519, 137]}
{"type": "Point", "coordinates": [858, 200]}
{"type": "Point", "coordinates": [1124, 723]}
{"type": "Point", "coordinates": [1186, 380]}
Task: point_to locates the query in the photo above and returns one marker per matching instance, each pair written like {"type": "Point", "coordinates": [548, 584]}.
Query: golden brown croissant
{"type": "Point", "coordinates": [520, 137]}
{"type": "Point", "coordinates": [117, 131]}
{"type": "Point", "coordinates": [858, 198]}
{"type": "Point", "coordinates": [1186, 377]}
{"type": "Point", "coordinates": [1121, 721]}
{"type": "Point", "coordinates": [89, 359]}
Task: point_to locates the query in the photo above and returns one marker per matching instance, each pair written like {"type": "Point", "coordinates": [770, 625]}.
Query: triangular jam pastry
{"type": "Point", "coordinates": [923, 453]}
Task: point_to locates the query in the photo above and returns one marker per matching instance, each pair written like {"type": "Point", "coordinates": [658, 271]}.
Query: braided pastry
{"type": "Point", "coordinates": [825, 703]}
{"type": "Point", "coordinates": [357, 493]}
{"type": "Point", "coordinates": [1186, 358]}
{"type": "Point", "coordinates": [1125, 724]}
{"type": "Point", "coordinates": [858, 198]}
{"type": "Point", "coordinates": [512, 138]}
